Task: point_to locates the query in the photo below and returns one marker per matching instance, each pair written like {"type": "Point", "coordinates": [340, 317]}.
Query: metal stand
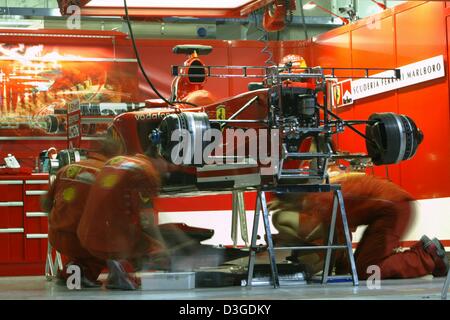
{"type": "Point", "coordinates": [52, 266]}
{"type": "Point", "coordinates": [446, 285]}
{"type": "Point", "coordinates": [337, 200]}
{"type": "Point", "coordinates": [239, 217]}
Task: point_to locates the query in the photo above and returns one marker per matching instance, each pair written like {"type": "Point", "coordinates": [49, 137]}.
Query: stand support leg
{"type": "Point", "coordinates": [270, 249]}
{"type": "Point", "coordinates": [351, 257]}
{"type": "Point", "coordinates": [234, 217]}
{"type": "Point", "coordinates": [326, 265]}
{"type": "Point", "coordinates": [251, 260]}
{"type": "Point", "coordinates": [242, 217]}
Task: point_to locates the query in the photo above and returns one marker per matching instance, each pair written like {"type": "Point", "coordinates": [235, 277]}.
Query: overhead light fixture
{"type": "Point", "coordinates": [379, 4]}
{"type": "Point", "coordinates": [198, 4]}
{"type": "Point", "coordinates": [311, 5]}
{"type": "Point", "coordinates": [167, 8]}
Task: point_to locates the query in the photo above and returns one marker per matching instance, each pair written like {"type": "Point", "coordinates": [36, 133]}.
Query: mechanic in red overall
{"type": "Point", "coordinates": [117, 224]}
{"type": "Point", "coordinates": [387, 210]}
{"type": "Point", "coordinates": [65, 203]}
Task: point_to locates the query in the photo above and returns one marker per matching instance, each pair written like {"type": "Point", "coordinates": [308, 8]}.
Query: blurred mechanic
{"type": "Point", "coordinates": [387, 211]}
{"type": "Point", "coordinates": [293, 63]}
{"type": "Point", "coordinates": [65, 203]}
{"type": "Point", "coordinates": [117, 225]}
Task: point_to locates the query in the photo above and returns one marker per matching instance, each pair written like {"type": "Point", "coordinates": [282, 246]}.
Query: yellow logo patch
{"type": "Point", "coordinates": [72, 171]}
{"type": "Point", "coordinates": [69, 194]}
{"type": "Point", "coordinates": [109, 181]}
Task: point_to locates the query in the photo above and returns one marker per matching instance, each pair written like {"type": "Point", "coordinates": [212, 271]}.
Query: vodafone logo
{"type": "Point", "coordinates": [150, 116]}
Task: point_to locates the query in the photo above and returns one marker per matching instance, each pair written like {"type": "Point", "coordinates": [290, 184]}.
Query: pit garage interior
{"type": "Point", "coordinates": [371, 91]}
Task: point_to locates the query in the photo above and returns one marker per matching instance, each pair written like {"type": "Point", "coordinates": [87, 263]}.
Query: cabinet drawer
{"type": "Point", "coordinates": [36, 185]}
{"type": "Point", "coordinates": [11, 216]}
{"type": "Point", "coordinates": [12, 244]}
{"type": "Point", "coordinates": [11, 190]}
{"type": "Point", "coordinates": [32, 202]}
{"type": "Point", "coordinates": [35, 248]}
{"type": "Point", "coordinates": [36, 225]}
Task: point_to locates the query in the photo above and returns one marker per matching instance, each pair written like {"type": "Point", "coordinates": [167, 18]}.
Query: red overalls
{"type": "Point", "coordinates": [69, 193]}
{"type": "Point", "coordinates": [110, 226]}
{"type": "Point", "coordinates": [387, 211]}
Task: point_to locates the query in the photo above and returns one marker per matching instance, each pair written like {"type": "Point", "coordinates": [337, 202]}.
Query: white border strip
{"type": "Point", "coordinates": [11, 204]}
{"type": "Point", "coordinates": [36, 214]}
{"type": "Point", "coordinates": [12, 230]}
{"type": "Point", "coordinates": [35, 192]}
{"type": "Point", "coordinates": [11, 182]}
{"type": "Point", "coordinates": [37, 236]}
{"type": "Point", "coordinates": [36, 182]}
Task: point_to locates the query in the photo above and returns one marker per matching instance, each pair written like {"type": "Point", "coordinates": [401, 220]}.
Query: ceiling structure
{"type": "Point", "coordinates": [213, 19]}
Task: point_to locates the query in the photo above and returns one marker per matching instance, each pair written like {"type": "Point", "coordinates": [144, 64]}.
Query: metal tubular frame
{"type": "Point", "coordinates": [338, 201]}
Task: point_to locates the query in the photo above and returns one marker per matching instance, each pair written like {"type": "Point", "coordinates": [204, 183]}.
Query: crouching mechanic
{"type": "Point", "coordinates": [387, 211]}
{"type": "Point", "coordinates": [65, 203]}
{"type": "Point", "coordinates": [117, 224]}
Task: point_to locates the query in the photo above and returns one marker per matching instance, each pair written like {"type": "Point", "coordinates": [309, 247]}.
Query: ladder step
{"type": "Point", "coordinates": [312, 247]}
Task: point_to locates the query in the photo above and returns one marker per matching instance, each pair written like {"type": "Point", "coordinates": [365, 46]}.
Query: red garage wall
{"type": "Point", "coordinates": [157, 58]}
{"type": "Point", "coordinates": [399, 36]}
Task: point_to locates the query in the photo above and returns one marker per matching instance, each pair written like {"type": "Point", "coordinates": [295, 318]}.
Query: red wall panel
{"type": "Point", "coordinates": [157, 58]}
{"type": "Point", "coordinates": [426, 103]}
{"type": "Point", "coordinates": [403, 35]}
{"type": "Point", "coordinates": [373, 46]}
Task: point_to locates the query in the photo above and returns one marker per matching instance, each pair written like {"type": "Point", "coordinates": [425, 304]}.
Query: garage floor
{"type": "Point", "coordinates": [38, 288]}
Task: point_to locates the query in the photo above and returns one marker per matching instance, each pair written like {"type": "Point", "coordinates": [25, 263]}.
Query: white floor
{"type": "Point", "coordinates": [38, 288]}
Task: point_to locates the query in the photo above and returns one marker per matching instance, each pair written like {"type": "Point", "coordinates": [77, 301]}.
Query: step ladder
{"type": "Point", "coordinates": [239, 218]}
{"type": "Point", "coordinates": [261, 205]}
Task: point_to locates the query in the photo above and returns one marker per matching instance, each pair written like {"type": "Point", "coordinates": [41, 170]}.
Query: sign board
{"type": "Point", "coordinates": [73, 124]}
{"type": "Point", "coordinates": [414, 73]}
{"type": "Point", "coordinates": [411, 74]}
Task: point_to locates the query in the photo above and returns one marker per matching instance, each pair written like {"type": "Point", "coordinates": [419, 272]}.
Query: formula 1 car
{"type": "Point", "coordinates": [280, 132]}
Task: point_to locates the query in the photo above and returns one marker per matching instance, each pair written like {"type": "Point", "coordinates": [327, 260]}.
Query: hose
{"type": "Point", "coordinates": [264, 38]}
{"type": "Point", "coordinates": [141, 67]}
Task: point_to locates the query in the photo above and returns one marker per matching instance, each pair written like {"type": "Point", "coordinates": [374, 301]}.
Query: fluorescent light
{"type": "Point", "coordinates": [191, 4]}
{"type": "Point", "coordinates": [310, 5]}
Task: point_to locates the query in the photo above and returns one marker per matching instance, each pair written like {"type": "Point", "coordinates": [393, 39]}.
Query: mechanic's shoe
{"type": "Point", "coordinates": [118, 278]}
{"type": "Point", "coordinates": [86, 283]}
{"type": "Point", "coordinates": [436, 250]}
{"type": "Point", "coordinates": [62, 277]}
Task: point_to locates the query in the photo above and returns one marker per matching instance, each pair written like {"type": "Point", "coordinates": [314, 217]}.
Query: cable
{"type": "Point", "coordinates": [141, 67]}
{"type": "Point", "coordinates": [264, 38]}
{"type": "Point", "coordinates": [305, 28]}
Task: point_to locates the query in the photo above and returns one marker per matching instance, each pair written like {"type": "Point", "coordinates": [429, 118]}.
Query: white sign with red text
{"type": "Point", "coordinates": [414, 73]}
{"type": "Point", "coordinates": [411, 74]}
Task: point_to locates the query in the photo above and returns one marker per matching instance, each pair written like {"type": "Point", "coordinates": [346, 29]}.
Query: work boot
{"type": "Point", "coordinates": [118, 278]}
{"type": "Point", "coordinates": [437, 251]}
{"type": "Point", "coordinates": [85, 283]}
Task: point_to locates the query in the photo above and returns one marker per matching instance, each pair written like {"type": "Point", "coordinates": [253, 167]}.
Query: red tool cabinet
{"type": "Point", "coordinates": [23, 224]}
